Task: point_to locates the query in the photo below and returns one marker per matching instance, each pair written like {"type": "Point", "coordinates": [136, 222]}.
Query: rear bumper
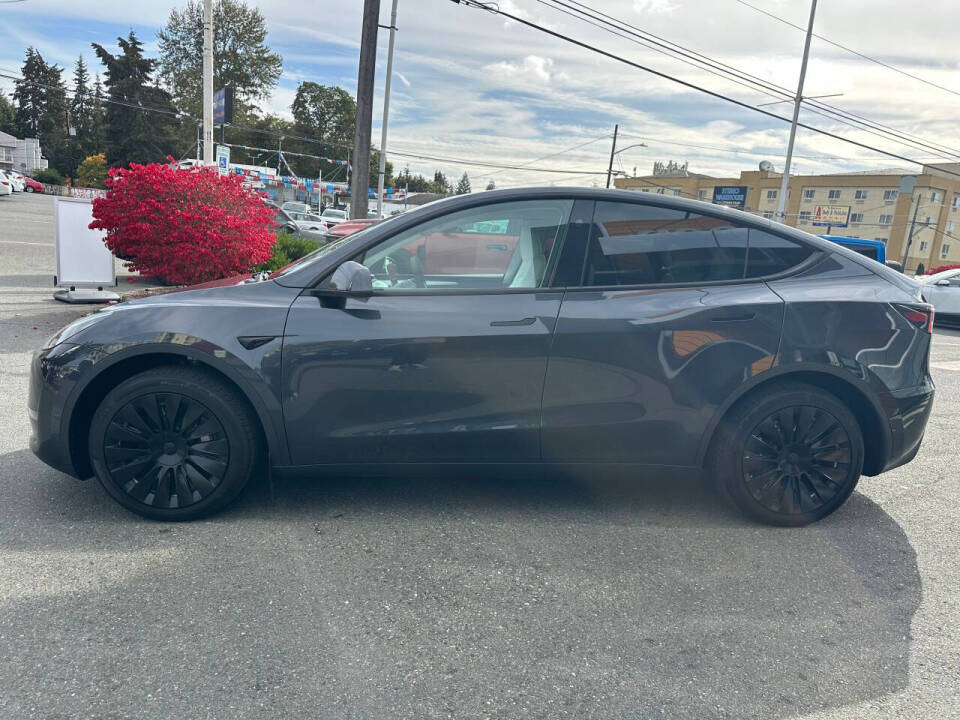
{"type": "Point", "coordinates": [912, 408]}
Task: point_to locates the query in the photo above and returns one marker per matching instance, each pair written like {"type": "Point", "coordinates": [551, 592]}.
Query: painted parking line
{"type": "Point", "coordinates": [953, 365]}
{"type": "Point", "coordinates": [24, 242]}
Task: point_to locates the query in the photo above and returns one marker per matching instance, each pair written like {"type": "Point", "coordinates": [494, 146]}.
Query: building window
{"type": "Point", "coordinates": [886, 219]}
{"type": "Point", "coordinates": [929, 221]}
{"type": "Point", "coordinates": [889, 195]}
{"type": "Point", "coordinates": [924, 245]}
{"type": "Point", "coordinates": [833, 195]}
{"type": "Point", "coordinates": [956, 201]}
{"type": "Point", "coordinates": [771, 194]}
{"type": "Point", "coordinates": [935, 197]}
{"type": "Point", "coordinates": [860, 195]}
{"type": "Point", "coordinates": [883, 240]}
{"type": "Point", "coordinates": [701, 195]}
{"type": "Point", "coordinates": [856, 218]}
{"type": "Point", "coordinates": [944, 250]}
{"type": "Point", "coordinates": [768, 214]}
{"type": "Point", "coordinates": [949, 225]}
{"type": "Point", "coordinates": [659, 191]}
{"type": "Point", "coordinates": [809, 193]}
{"type": "Point", "coordinates": [645, 190]}
{"type": "Point", "coordinates": [804, 216]}
{"type": "Point", "coordinates": [677, 192]}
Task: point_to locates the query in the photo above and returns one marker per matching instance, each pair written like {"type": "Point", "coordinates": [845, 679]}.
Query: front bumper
{"type": "Point", "coordinates": [51, 380]}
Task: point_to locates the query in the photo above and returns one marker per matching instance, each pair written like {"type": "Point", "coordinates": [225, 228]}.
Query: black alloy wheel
{"type": "Point", "coordinates": [787, 454]}
{"type": "Point", "coordinates": [166, 450]}
{"type": "Point", "coordinates": [174, 443]}
{"type": "Point", "coordinates": [796, 460]}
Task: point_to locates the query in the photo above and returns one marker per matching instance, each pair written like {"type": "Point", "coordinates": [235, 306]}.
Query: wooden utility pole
{"type": "Point", "coordinates": [360, 186]}
{"type": "Point", "coordinates": [613, 151]}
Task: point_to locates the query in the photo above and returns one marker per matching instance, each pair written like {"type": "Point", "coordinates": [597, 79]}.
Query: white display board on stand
{"type": "Point", "coordinates": [84, 264]}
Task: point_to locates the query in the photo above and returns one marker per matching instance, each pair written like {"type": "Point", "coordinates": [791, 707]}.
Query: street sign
{"type": "Point", "coordinates": [834, 215]}
{"type": "Point", "coordinates": [730, 195]}
{"type": "Point", "coordinates": [223, 159]}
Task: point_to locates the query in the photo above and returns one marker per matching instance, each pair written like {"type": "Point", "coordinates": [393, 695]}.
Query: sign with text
{"type": "Point", "coordinates": [223, 159]}
{"type": "Point", "coordinates": [834, 215]}
{"type": "Point", "coordinates": [731, 195]}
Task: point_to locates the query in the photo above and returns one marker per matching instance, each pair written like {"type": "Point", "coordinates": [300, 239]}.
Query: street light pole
{"type": "Point", "coordinates": [381, 177]}
{"type": "Point", "coordinates": [785, 182]}
{"type": "Point", "coordinates": [366, 70]}
{"type": "Point", "coordinates": [208, 82]}
{"type": "Point", "coordinates": [613, 151]}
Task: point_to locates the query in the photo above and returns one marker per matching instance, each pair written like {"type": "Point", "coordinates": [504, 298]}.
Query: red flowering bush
{"type": "Point", "coordinates": [940, 268]}
{"type": "Point", "coordinates": [183, 226]}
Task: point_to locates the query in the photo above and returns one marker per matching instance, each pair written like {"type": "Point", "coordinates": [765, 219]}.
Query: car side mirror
{"type": "Point", "coordinates": [352, 277]}
{"type": "Point", "coordinates": [943, 283]}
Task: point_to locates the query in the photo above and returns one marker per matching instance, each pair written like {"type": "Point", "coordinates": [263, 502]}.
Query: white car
{"type": "Point", "coordinates": [310, 222]}
{"type": "Point", "coordinates": [332, 217]}
{"type": "Point", "coordinates": [16, 180]}
{"type": "Point", "coordinates": [6, 185]}
{"type": "Point", "coordinates": [942, 290]}
{"type": "Point", "coordinates": [291, 206]}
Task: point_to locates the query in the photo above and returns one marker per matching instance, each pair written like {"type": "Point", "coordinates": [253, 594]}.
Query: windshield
{"type": "Point", "coordinates": [323, 251]}
{"type": "Point", "coordinates": [335, 214]}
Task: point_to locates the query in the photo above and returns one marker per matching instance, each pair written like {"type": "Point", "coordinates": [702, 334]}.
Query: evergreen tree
{"type": "Point", "coordinates": [8, 116]}
{"type": "Point", "coordinates": [97, 129]}
{"type": "Point", "coordinates": [491, 185]}
{"type": "Point", "coordinates": [41, 112]}
{"type": "Point", "coordinates": [136, 134]}
{"type": "Point", "coordinates": [463, 187]}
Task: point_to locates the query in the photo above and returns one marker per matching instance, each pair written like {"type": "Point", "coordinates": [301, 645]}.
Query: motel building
{"type": "Point", "coordinates": [871, 201]}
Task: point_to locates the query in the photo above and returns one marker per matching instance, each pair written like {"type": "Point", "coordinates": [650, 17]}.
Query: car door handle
{"type": "Point", "coordinates": [734, 317]}
{"type": "Point", "coordinates": [497, 246]}
{"type": "Point", "coordinates": [511, 323]}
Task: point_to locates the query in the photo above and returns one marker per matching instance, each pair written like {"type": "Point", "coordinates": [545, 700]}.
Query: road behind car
{"type": "Point", "coordinates": [577, 596]}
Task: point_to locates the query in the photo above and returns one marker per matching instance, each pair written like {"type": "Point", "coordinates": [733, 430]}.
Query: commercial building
{"type": "Point", "coordinates": [22, 155]}
{"type": "Point", "coordinates": [865, 204]}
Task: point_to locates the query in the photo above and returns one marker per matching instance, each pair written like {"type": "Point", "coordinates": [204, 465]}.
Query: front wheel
{"type": "Point", "coordinates": [28, 189]}
{"type": "Point", "coordinates": [174, 443]}
{"type": "Point", "coordinates": [788, 455]}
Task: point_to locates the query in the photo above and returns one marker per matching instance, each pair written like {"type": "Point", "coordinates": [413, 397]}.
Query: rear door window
{"type": "Point", "coordinates": [639, 244]}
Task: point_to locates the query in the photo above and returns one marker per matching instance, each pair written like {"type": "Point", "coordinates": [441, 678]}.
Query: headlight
{"type": "Point", "coordinates": [73, 328]}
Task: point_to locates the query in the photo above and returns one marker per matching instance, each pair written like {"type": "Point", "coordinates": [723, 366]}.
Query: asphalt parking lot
{"type": "Point", "coordinates": [464, 597]}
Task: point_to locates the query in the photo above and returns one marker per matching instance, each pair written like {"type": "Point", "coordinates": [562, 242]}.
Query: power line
{"type": "Point", "coordinates": [850, 50]}
{"type": "Point", "coordinates": [693, 86]}
{"type": "Point", "coordinates": [720, 69]}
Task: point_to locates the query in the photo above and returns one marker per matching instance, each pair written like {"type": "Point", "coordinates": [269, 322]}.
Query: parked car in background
{"type": "Point", "coordinates": [6, 186]}
{"type": "Point", "coordinates": [310, 222]}
{"type": "Point", "coordinates": [31, 186]}
{"type": "Point", "coordinates": [540, 328]}
{"type": "Point", "coordinates": [291, 206]}
{"type": "Point", "coordinates": [283, 220]}
{"type": "Point", "coordinates": [333, 216]}
{"type": "Point", "coordinates": [16, 180]}
{"type": "Point", "coordinates": [348, 227]}
{"type": "Point", "coordinates": [942, 290]}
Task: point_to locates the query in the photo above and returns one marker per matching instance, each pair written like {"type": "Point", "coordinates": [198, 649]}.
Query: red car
{"type": "Point", "coordinates": [349, 227]}
{"type": "Point", "coordinates": [31, 185]}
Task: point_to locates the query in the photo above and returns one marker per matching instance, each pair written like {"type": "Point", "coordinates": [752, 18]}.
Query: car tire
{"type": "Point", "coordinates": [787, 455]}
{"type": "Point", "coordinates": [174, 443]}
{"type": "Point", "coordinates": [28, 189]}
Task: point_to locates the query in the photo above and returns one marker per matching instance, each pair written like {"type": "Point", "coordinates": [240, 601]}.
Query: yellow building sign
{"type": "Point", "coordinates": [835, 215]}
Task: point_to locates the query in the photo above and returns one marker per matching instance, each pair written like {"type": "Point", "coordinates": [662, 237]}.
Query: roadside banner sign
{"type": "Point", "coordinates": [223, 159]}
{"type": "Point", "coordinates": [84, 264]}
{"type": "Point", "coordinates": [833, 215]}
{"type": "Point", "coordinates": [730, 195]}
{"type": "Point", "coordinates": [223, 106]}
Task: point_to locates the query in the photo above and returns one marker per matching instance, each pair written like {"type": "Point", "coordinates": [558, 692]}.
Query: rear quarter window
{"type": "Point", "coordinates": [771, 254]}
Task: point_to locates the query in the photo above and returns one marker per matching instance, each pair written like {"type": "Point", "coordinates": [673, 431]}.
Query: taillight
{"type": "Point", "coordinates": [918, 315]}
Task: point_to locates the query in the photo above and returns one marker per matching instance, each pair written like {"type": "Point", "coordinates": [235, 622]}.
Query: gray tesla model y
{"type": "Point", "coordinates": [546, 329]}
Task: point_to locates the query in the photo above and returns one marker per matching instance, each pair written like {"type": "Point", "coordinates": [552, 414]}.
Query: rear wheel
{"type": "Point", "coordinates": [173, 443]}
{"type": "Point", "coordinates": [28, 189]}
{"type": "Point", "coordinates": [788, 455]}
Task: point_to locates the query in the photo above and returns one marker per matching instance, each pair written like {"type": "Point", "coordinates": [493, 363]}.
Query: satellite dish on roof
{"type": "Point", "coordinates": [766, 166]}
